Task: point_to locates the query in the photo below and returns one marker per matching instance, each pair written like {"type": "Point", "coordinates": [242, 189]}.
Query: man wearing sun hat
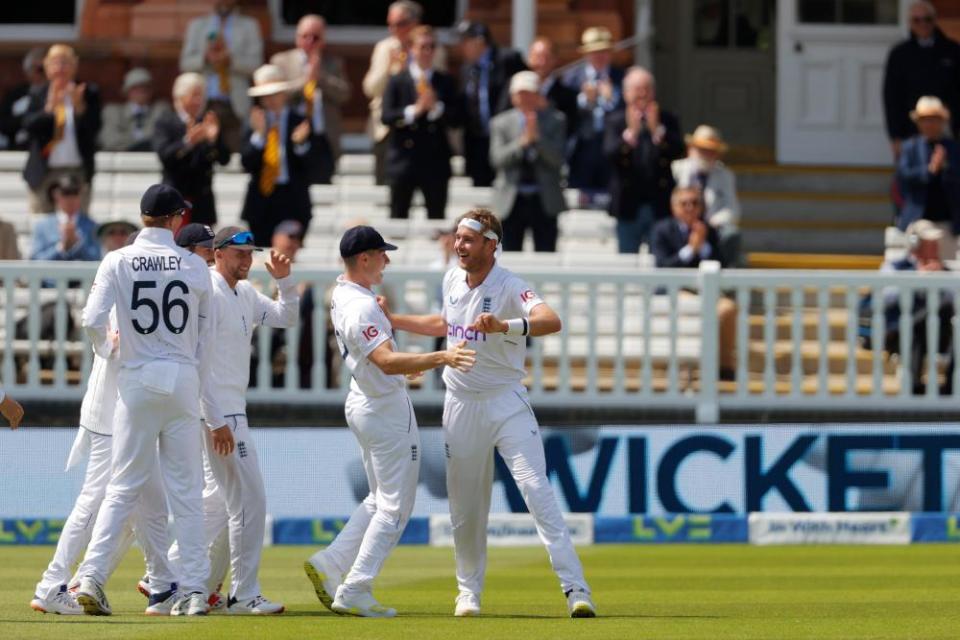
{"type": "Point", "coordinates": [276, 152]}
{"type": "Point", "coordinates": [598, 84]}
{"type": "Point", "coordinates": [703, 169]}
{"type": "Point", "coordinates": [928, 174]}
{"type": "Point", "coordinates": [129, 126]}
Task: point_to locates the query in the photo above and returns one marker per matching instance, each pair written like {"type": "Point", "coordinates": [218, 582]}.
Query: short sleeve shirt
{"type": "Point", "coordinates": [500, 358]}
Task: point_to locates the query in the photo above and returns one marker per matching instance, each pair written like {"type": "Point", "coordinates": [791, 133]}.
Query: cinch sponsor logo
{"type": "Point", "coordinates": [459, 332]}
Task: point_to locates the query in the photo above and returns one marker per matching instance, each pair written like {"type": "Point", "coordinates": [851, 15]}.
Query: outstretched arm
{"type": "Point", "coordinates": [428, 325]}
{"type": "Point", "coordinates": [395, 362]}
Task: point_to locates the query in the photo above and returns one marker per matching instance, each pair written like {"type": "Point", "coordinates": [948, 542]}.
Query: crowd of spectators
{"type": "Point", "coordinates": [522, 125]}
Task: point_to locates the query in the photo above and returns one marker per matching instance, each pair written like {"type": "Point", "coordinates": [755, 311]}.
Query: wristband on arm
{"type": "Point", "coordinates": [517, 327]}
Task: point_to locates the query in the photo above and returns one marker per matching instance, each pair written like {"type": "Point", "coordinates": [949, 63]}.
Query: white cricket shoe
{"type": "Point", "coordinates": [61, 602]}
{"type": "Point", "coordinates": [468, 605]}
{"type": "Point", "coordinates": [161, 604]}
{"type": "Point", "coordinates": [92, 598]}
{"type": "Point", "coordinates": [363, 605]}
{"type": "Point", "coordinates": [143, 586]}
{"type": "Point", "coordinates": [580, 604]}
{"type": "Point", "coordinates": [190, 604]}
{"type": "Point", "coordinates": [258, 606]}
{"type": "Point", "coordinates": [326, 580]}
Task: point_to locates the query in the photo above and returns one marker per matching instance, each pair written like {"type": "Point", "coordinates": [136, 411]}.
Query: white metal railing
{"type": "Point", "coordinates": [630, 339]}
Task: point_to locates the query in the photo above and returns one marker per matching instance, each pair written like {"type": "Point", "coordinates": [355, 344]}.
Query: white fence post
{"type": "Point", "coordinates": [708, 406]}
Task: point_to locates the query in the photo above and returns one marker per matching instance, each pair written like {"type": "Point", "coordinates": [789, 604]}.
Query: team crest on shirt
{"type": "Point", "coordinates": [487, 302]}
{"type": "Point", "coordinates": [528, 295]}
{"type": "Point", "coordinates": [370, 333]}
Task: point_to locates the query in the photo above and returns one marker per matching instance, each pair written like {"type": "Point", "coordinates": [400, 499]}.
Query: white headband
{"type": "Point", "coordinates": [476, 225]}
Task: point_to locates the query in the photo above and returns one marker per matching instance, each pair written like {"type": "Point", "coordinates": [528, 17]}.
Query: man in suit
{"type": "Point", "coordinates": [419, 105]}
{"type": "Point", "coordinates": [391, 56]}
{"type": "Point", "coordinates": [129, 126]}
{"type": "Point", "coordinates": [484, 75]}
{"type": "Point", "coordinates": [541, 59]}
{"type": "Point", "coordinates": [323, 89]}
{"type": "Point", "coordinates": [928, 173]}
{"type": "Point", "coordinates": [598, 86]}
{"type": "Point", "coordinates": [62, 123]}
{"type": "Point", "coordinates": [703, 169]}
{"type": "Point", "coordinates": [276, 152]}
{"type": "Point", "coordinates": [189, 142]}
{"type": "Point", "coordinates": [226, 48]}
{"type": "Point", "coordinates": [925, 64]}
{"type": "Point", "coordinates": [68, 233]}
{"type": "Point", "coordinates": [683, 242]}
{"type": "Point", "coordinates": [526, 149]}
{"type": "Point", "coordinates": [639, 143]}
{"type": "Point", "coordinates": [16, 101]}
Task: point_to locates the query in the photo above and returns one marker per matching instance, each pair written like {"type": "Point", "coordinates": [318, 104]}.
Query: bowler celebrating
{"type": "Point", "coordinates": [487, 407]}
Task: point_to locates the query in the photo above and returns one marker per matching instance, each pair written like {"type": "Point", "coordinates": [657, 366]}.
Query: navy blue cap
{"type": "Point", "coordinates": [160, 200]}
{"type": "Point", "coordinates": [195, 235]}
{"type": "Point", "coordinates": [362, 238]}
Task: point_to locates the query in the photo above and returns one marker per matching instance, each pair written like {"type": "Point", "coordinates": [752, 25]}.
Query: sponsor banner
{"type": "Point", "coordinates": [30, 530]}
{"type": "Point", "coordinates": [620, 471]}
{"type": "Point", "coordinates": [830, 528]}
{"type": "Point", "coordinates": [513, 530]}
{"type": "Point", "coordinates": [692, 528]}
{"type": "Point", "coordinates": [322, 531]}
{"type": "Point", "coordinates": [936, 527]}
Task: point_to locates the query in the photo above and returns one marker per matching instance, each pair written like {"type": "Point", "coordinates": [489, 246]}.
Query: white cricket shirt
{"type": "Point", "coordinates": [361, 327]}
{"type": "Point", "coordinates": [163, 296]}
{"type": "Point", "coordinates": [239, 310]}
{"type": "Point", "coordinates": [500, 358]}
{"type": "Point", "coordinates": [100, 399]}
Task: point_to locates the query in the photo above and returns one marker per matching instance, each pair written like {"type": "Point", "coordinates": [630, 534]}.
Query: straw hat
{"type": "Point", "coordinates": [707, 137]}
{"type": "Point", "coordinates": [268, 80]}
{"type": "Point", "coordinates": [524, 81]}
{"type": "Point", "coordinates": [923, 230]}
{"type": "Point", "coordinates": [929, 107]}
{"type": "Point", "coordinates": [136, 77]}
{"type": "Point", "coordinates": [596, 39]}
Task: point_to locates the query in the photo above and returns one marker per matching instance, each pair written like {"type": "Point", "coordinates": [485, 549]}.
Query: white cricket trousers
{"type": "Point", "coordinates": [241, 489]}
{"type": "Point", "coordinates": [386, 429]}
{"type": "Point", "coordinates": [149, 522]}
{"type": "Point", "coordinates": [473, 424]}
{"type": "Point", "coordinates": [215, 521]}
{"type": "Point", "coordinates": [148, 422]}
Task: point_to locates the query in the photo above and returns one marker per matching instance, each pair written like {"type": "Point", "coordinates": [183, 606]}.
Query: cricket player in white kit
{"type": "Point", "coordinates": [241, 308]}
{"type": "Point", "coordinates": [165, 317]}
{"type": "Point", "coordinates": [94, 440]}
{"type": "Point", "coordinates": [380, 415]}
{"type": "Point", "coordinates": [494, 311]}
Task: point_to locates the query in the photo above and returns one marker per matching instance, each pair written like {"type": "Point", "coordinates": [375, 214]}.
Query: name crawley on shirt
{"type": "Point", "coordinates": [155, 263]}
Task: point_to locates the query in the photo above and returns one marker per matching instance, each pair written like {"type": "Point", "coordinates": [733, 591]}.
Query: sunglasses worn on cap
{"type": "Point", "coordinates": [238, 239]}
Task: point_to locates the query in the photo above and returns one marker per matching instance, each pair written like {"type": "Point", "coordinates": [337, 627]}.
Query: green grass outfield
{"type": "Point", "coordinates": [662, 592]}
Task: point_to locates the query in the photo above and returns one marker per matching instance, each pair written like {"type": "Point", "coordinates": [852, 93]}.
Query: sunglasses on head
{"type": "Point", "coordinates": [240, 238]}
